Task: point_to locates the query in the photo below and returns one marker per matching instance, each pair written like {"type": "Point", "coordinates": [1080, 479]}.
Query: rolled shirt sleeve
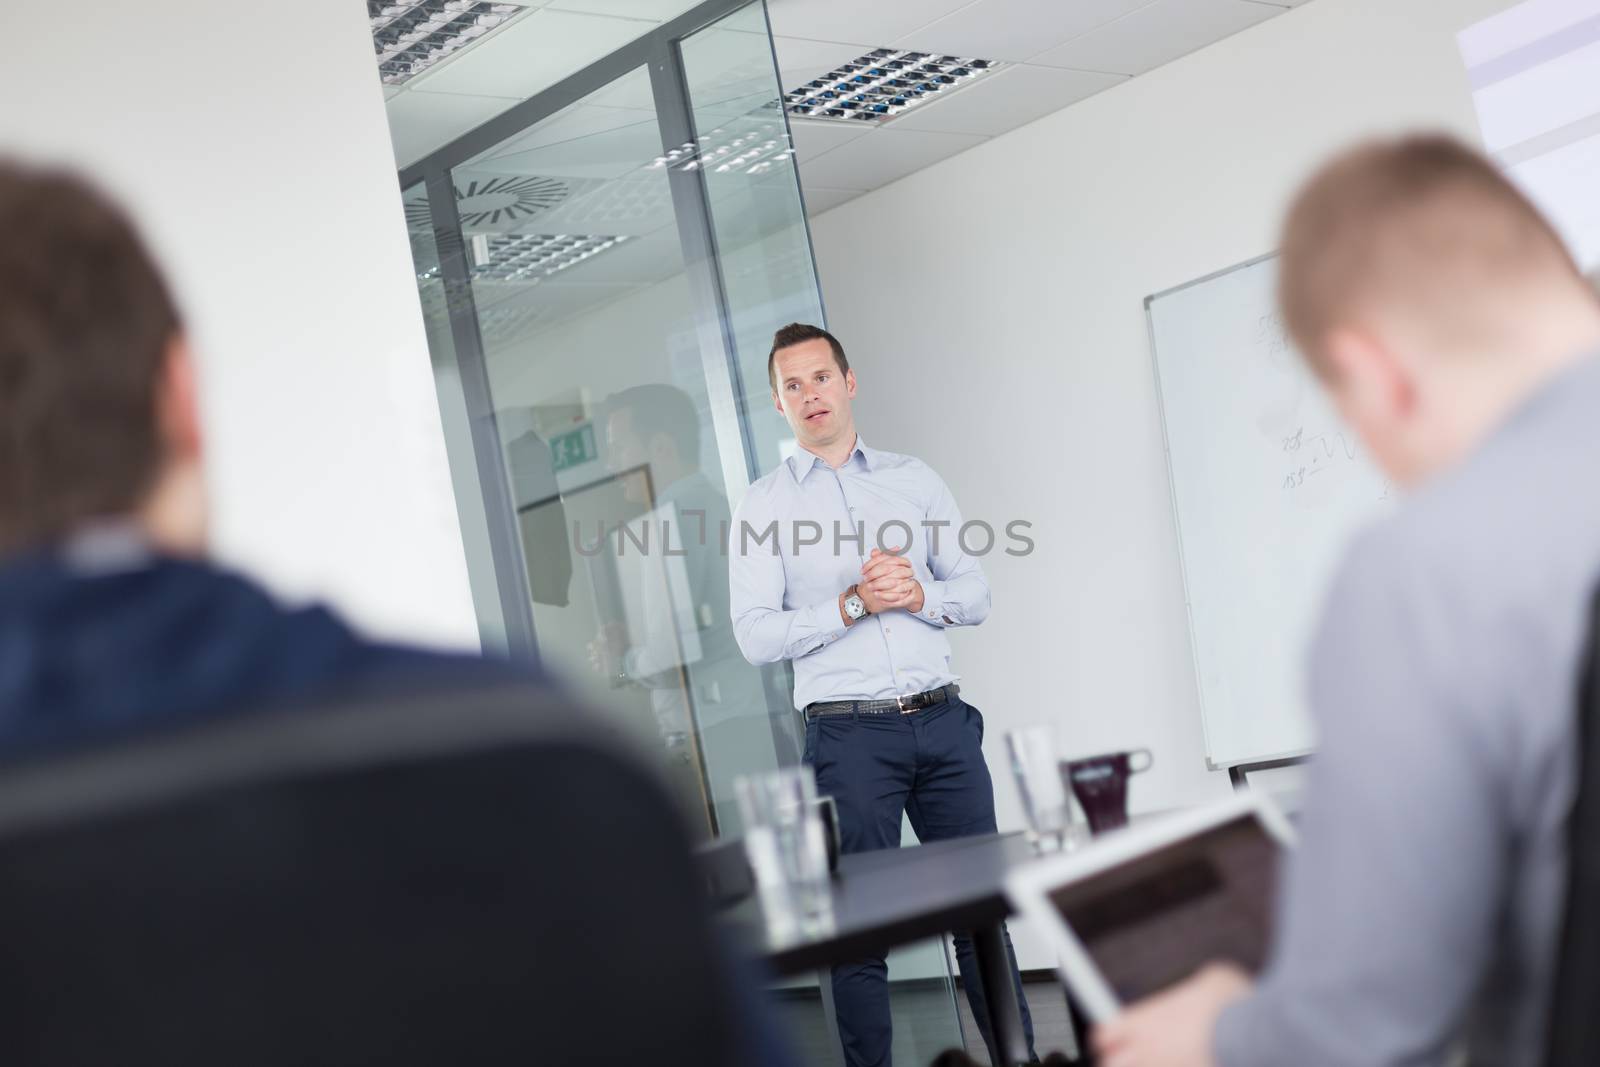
{"type": "Point", "coordinates": [765, 630]}
{"type": "Point", "coordinates": [956, 593]}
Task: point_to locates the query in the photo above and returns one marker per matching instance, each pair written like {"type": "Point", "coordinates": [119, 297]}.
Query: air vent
{"type": "Point", "coordinates": [496, 201]}
{"type": "Point", "coordinates": [883, 84]}
{"type": "Point", "coordinates": [412, 36]}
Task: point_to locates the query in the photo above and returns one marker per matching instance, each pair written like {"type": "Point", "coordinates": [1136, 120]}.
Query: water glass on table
{"type": "Point", "coordinates": [1044, 795]}
{"type": "Point", "coordinates": [787, 844]}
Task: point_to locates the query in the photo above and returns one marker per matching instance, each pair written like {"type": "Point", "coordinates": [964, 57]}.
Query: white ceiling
{"type": "Point", "coordinates": [599, 152]}
{"type": "Point", "coordinates": [1057, 52]}
{"type": "Point", "coordinates": [535, 50]}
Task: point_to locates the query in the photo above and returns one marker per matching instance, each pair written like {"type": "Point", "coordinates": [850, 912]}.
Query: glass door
{"type": "Point", "coordinates": [618, 431]}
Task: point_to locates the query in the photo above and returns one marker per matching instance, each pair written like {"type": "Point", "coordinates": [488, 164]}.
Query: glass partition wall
{"type": "Point", "coordinates": [602, 375]}
{"type": "Point", "coordinates": [601, 269]}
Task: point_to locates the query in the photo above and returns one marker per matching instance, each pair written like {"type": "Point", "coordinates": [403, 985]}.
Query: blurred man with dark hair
{"type": "Point", "coordinates": [110, 620]}
{"type": "Point", "coordinates": [1423, 905]}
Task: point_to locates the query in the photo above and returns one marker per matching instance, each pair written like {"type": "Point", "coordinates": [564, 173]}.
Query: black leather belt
{"type": "Point", "coordinates": [898, 705]}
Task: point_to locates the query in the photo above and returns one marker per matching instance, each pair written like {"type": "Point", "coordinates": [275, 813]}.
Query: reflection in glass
{"type": "Point", "coordinates": [753, 192]}
{"type": "Point", "coordinates": [746, 158]}
{"type": "Point", "coordinates": [603, 411]}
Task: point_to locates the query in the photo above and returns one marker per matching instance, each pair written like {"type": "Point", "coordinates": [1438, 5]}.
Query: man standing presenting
{"type": "Point", "coordinates": [847, 561]}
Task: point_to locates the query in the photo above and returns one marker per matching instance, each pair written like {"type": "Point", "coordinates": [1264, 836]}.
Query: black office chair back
{"type": "Point", "coordinates": [1574, 1031]}
{"type": "Point", "coordinates": [437, 883]}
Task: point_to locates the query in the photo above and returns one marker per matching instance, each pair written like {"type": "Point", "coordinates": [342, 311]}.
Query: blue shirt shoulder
{"type": "Point", "coordinates": [90, 654]}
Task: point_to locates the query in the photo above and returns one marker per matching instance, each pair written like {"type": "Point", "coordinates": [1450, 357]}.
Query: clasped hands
{"type": "Point", "coordinates": [888, 582]}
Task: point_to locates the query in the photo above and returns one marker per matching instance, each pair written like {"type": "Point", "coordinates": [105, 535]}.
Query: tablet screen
{"type": "Point", "coordinates": [1156, 919]}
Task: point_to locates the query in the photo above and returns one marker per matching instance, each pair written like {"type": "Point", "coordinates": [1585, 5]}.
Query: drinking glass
{"type": "Point", "coordinates": [1044, 795]}
{"type": "Point", "coordinates": [787, 844]}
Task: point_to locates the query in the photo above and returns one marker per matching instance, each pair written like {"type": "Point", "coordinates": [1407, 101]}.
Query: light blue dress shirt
{"type": "Point", "coordinates": [799, 539]}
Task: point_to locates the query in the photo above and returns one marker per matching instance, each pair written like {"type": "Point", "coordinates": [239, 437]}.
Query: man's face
{"type": "Point", "coordinates": [812, 394]}
{"type": "Point", "coordinates": [624, 451]}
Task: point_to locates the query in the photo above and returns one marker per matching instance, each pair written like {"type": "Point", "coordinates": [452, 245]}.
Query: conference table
{"type": "Point", "coordinates": [885, 899]}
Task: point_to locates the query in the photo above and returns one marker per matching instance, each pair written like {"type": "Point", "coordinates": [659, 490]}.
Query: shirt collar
{"type": "Point", "coordinates": [802, 462]}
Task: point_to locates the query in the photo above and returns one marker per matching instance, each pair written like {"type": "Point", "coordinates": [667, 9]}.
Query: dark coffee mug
{"type": "Point", "coordinates": [1101, 785]}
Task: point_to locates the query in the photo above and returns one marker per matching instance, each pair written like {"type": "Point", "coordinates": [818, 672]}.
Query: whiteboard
{"type": "Point", "coordinates": [1267, 488]}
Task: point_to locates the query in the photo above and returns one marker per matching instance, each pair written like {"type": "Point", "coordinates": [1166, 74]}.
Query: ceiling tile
{"type": "Point", "coordinates": [819, 199]}
{"type": "Point", "coordinates": [729, 73]}
{"type": "Point", "coordinates": [574, 124]}
{"type": "Point", "coordinates": [617, 207]}
{"type": "Point", "coordinates": [1006, 99]}
{"type": "Point", "coordinates": [811, 139]}
{"type": "Point", "coordinates": [632, 90]}
{"type": "Point", "coordinates": [653, 10]}
{"type": "Point", "coordinates": [607, 153]}
{"type": "Point", "coordinates": [1014, 30]}
{"type": "Point", "coordinates": [421, 122]}
{"type": "Point", "coordinates": [533, 54]}
{"type": "Point", "coordinates": [641, 261]}
{"type": "Point", "coordinates": [878, 21]}
{"type": "Point", "coordinates": [1157, 34]}
{"type": "Point", "coordinates": [882, 156]}
{"type": "Point", "coordinates": [801, 59]}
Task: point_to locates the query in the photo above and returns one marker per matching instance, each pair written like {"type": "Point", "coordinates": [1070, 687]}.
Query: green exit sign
{"type": "Point", "coordinates": [575, 448]}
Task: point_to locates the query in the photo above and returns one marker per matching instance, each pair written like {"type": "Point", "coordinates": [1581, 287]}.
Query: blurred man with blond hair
{"type": "Point", "coordinates": [1422, 908]}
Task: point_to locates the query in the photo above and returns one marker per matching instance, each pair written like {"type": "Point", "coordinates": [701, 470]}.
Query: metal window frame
{"type": "Point", "coordinates": [674, 115]}
{"type": "Point", "coordinates": [660, 51]}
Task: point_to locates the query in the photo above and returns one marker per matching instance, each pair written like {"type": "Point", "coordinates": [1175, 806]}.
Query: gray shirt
{"type": "Point", "coordinates": [1423, 904]}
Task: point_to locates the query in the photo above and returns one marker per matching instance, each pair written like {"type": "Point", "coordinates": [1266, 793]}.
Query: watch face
{"type": "Point", "coordinates": [854, 607]}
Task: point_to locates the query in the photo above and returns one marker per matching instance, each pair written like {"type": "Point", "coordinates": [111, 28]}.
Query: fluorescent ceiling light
{"type": "Point", "coordinates": [883, 84]}
{"type": "Point", "coordinates": [410, 36]}
{"type": "Point", "coordinates": [525, 256]}
{"type": "Point", "coordinates": [754, 147]}
{"type": "Point", "coordinates": [530, 257]}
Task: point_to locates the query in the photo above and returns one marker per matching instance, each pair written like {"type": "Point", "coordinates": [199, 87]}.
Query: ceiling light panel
{"type": "Point", "coordinates": [521, 257]}
{"type": "Point", "coordinates": [530, 257]}
{"type": "Point", "coordinates": [752, 147]}
{"type": "Point", "coordinates": [883, 84]}
{"type": "Point", "coordinates": [411, 36]}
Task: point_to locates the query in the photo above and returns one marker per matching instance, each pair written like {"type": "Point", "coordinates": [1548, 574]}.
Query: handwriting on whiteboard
{"type": "Point", "coordinates": [1272, 337]}
{"type": "Point", "coordinates": [1315, 454]}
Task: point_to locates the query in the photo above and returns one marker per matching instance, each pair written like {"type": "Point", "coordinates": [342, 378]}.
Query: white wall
{"type": "Point", "coordinates": [993, 308]}
{"type": "Point", "coordinates": [253, 147]}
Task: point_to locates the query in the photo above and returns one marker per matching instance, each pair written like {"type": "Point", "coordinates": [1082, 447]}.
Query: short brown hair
{"type": "Point", "coordinates": [798, 333]}
{"type": "Point", "coordinates": [85, 325]}
{"type": "Point", "coordinates": [1421, 220]}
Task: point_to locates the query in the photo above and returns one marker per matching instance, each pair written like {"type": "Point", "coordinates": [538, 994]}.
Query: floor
{"type": "Point", "coordinates": [923, 1024]}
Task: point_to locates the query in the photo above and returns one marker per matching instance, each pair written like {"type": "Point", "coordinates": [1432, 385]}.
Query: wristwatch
{"type": "Point", "coordinates": [854, 606]}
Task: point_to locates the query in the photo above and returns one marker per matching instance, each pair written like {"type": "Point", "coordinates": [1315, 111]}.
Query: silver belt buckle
{"type": "Point", "coordinates": [900, 703]}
